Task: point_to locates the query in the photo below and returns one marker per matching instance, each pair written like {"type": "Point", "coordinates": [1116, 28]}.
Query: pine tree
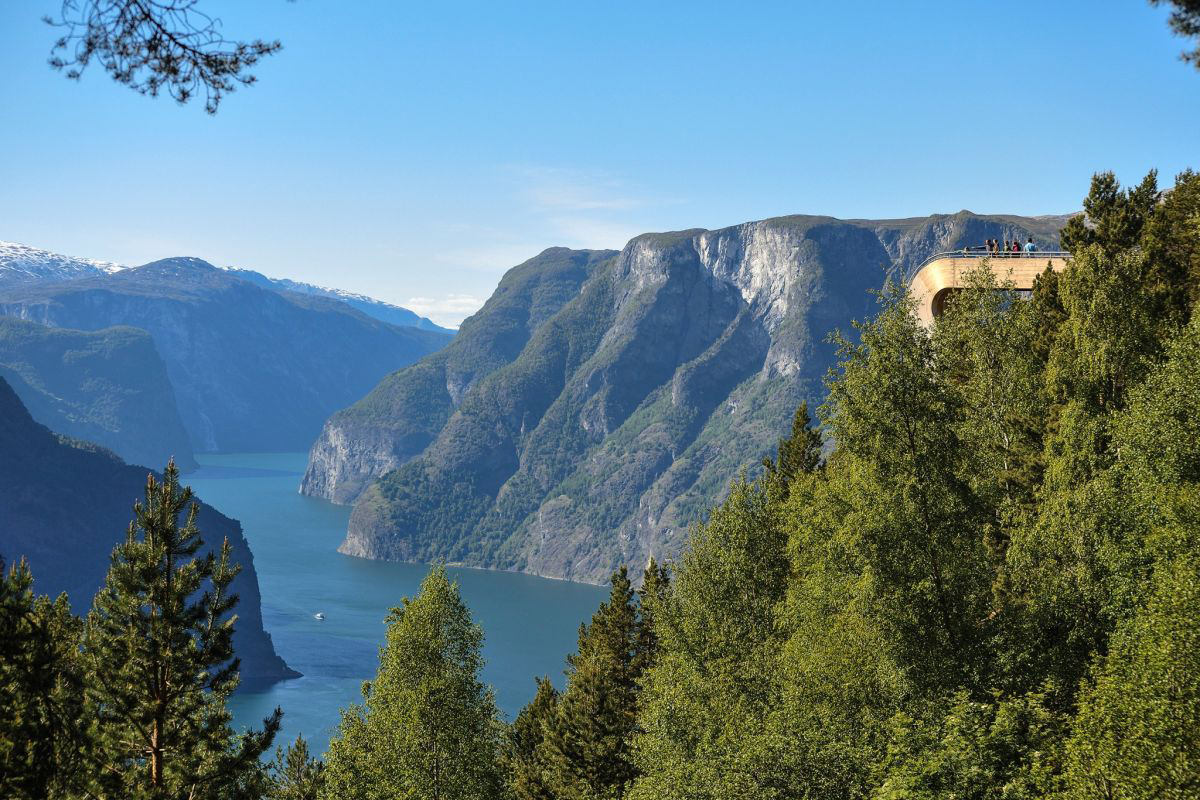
{"type": "Point", "coordinates": [42, 740]}
{"type": "Point", "coordinates": [800, 452]}
{"type": "Point", "coordinates": [159, 655]}
{"type": "Point", "coordinates": [526, 761]}
{"type": "Point", "coordinates": [427, 727]}
{"type": "Point", "coordinates": [654, 593]}
{"type": "Point", "coordinates": [1113, 217]}
{"type": "Point", "coordinates": [1171, 239]}
{"type": "Point", "coordinates": [588, 742]}
{"type": "Point", "coordinates": [295, 775]}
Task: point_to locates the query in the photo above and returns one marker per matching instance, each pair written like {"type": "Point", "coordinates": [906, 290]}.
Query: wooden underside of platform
{"type": "Point", "coordinates": [937, 279]}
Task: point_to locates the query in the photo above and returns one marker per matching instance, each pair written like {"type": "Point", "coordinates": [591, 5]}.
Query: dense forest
{"type": "Point", "coordinates": [974, 573]}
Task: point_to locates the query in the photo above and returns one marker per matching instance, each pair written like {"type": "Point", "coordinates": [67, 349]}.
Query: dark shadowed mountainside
{"type": "Point", "coordinates": [108, 386]}
{"type": "Point", "coordinates": [64, 505]}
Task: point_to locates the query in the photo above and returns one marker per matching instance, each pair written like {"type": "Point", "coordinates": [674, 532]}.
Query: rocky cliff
{"type": "Point", "coordinates": [109, 387]}
{"type": "Point", "coordinates": [64, 505]}
{"type": "Point", "coordinates": [252, 368]}
{"type": "Point", "coordinates": [630, 407]}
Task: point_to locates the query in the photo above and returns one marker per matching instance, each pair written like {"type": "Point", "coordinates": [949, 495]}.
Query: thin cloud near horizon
{"type": "Point", "coordinates": [448, 311]}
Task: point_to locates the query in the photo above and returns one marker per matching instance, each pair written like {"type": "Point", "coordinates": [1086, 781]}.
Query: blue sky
{"type": "Point", "coordinates": [414, 151]}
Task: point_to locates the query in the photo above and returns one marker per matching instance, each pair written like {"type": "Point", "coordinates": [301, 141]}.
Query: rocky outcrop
{"type": "Point", "coordinates": [64, 505]}
{"type": "Point", "coordinates": [109, 387]}
{"type": "Point", "coordinates": [674, 367]}
{"type": "Point", "coordinates": [253, 369]}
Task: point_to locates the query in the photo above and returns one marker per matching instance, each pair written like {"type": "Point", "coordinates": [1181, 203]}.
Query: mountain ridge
{"type": "Point", "coordinates": [24, 265]}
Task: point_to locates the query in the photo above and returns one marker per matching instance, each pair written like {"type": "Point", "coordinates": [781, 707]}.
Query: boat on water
{"type": "Point", "coordinates": [320, 615]}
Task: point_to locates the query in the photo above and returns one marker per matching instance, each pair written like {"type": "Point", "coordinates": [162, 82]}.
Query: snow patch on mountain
{"type": "Point", "coordinates": [21, 263]}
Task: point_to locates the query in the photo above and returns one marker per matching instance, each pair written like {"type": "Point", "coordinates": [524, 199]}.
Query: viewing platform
{"type": "Point", "coordinates": [944, 273]}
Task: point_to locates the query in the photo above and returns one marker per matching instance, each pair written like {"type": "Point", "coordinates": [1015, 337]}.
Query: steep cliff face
{"type": "Point", "coordinates": [403, 414]}
{"type": "Point", "coordinates": [109, 387]}
{"type": "Point", "coordinates": [629, 410]}
{"type": "Point", "coordinates": [252, 368]}
{"type": "Point", "coordinates": [64, 505]}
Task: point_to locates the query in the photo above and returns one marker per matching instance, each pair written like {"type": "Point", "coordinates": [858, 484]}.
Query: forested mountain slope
{"type": "Point", "coordinates": [656, 376]}
{"type": "Point", "coordinates": [65, 504]}
{"type": "Point", "coordinates": [108, 386]}
{"type": "Point", "coordinates": [252, 368]}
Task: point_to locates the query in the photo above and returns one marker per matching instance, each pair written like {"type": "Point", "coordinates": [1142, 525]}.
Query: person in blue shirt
{"type": "Point", "coordinates": [1030, 247]}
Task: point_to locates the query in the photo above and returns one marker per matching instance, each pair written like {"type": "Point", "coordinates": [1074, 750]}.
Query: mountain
{"type": "Point", "coordinates": [23, 265]}
{"type": "Point", "coordinates": [642, 383]}
{"type": "Point", "coordinates": [108, 386]}
{"type": "Point", "coordinates": [385, 312]}
{"type": "Point", "coordinates": [64, 505]}
{"type": "Point", "coordinates": [405, 412]}
{"type": "Point", "coordinates": [252, 368]}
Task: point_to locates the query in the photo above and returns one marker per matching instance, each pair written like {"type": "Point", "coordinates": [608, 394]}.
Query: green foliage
{"type": "Point", "coordinates": [1113, 217]}
{"type": "Point", "coordinates": [295, 775]}
{"type": "Point", "coordinates": [904, 481]}
{"type": "Point", "coordinates": [586, 746]}
{"type": "Point", "coordinates": [159, 655]}
{"type": "Point", "coordinates": [526, 760]}
{"type": "Point", "coordinates": [706, 698]}
{"type": "Point", "coordinates": [988, 589]}
{"type": "Point", "coordinates": [1171, 240]}
{"type": "Point", "coordinates": [427, 728]}
{"type": "Point", "coordinates": [800, 452]}
{"type": "Point", "coordinates": [1001, 749]}
{"type": "Point", "coordinates": [1185, 21]}
{"type": "Point", "coordinates": [1136, 733]}
{"type": "Point", "coordinates": [1138, 730]}
{"type": "Point", "coordinates": [42, 742]}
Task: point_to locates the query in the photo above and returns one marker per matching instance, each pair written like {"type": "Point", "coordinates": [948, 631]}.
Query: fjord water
{"type": "Point", "coordinates": [529, 623]}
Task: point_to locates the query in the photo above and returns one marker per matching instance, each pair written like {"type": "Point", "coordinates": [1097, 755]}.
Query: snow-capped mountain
{"type": "Point", "coordinates": [21, 264]}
